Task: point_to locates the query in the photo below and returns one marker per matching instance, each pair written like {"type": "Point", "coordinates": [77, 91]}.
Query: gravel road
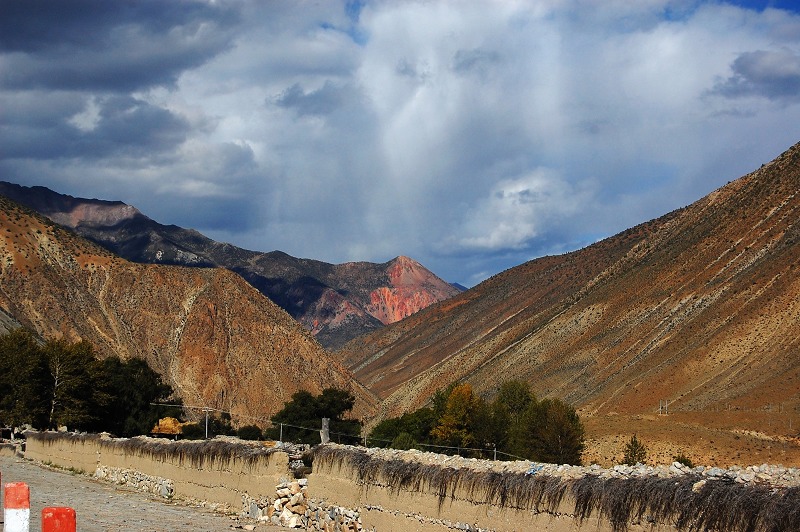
{"type": "Point", "coordinates": [102, 507]}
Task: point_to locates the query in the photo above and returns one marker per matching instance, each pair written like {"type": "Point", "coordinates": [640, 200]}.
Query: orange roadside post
{"type": "Point", "coordinates": [58, 519]}
{"type": "Point", "coordinates": [16, 507]}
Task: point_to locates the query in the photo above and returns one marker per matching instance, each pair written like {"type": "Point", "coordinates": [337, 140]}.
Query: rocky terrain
{"type": "Point", "coordinates": [697, 309]}
{"type": "Point", "coordinates": [214, 338]}
{"type": "Point", "coordinates": [336, 302]}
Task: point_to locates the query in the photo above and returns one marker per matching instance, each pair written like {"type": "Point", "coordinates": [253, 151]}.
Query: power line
{"type": "Point", "coordinates": [346, 435]}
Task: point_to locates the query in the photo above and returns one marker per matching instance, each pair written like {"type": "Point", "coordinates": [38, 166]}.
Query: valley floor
{"type": "Point", "coordinates": [721, 438]}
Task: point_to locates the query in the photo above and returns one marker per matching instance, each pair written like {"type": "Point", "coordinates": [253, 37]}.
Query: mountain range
{"type": "Point", "coordinates": [336, 302]}
{"type": "Point", "coordinates": [210, 335]}
{"type": "Point", "coordinates": [684, 329]}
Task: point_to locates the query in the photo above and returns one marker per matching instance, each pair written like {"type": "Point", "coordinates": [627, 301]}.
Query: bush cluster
{"type": "Point", "coordinates": [514, 423]}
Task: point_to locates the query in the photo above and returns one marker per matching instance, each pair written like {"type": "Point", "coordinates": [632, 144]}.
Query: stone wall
{"type": "Point", "coordinates": [216, 470]}
{"type": "Point", "coordinates": [353, 488]}
{"type": "Point", "coordinates": [432, 505]}
{"type": "Point", "coordinates": [399, 490]}
{"type": "Point", "coordinates": [8, 449]}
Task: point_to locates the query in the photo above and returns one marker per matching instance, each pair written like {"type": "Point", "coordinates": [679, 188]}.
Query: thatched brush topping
{"type": "Point", "coordinates": [199, 453]}
{"type": "Point", "coordinates": [50, 437]}
{"type": "Point", "coordinates": [515, 490]}
{"type": "Point", "coordinates": [688, 501]}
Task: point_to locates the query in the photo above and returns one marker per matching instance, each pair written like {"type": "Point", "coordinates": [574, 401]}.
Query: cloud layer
{"type": "Point", "coordinates": [470, 136]}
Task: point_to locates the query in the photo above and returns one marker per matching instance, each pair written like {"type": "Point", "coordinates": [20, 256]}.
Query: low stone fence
{"type": "Point", "coordinates": [405, 490]}
{"type": "Point", "coordinates": [214, 470]}
{"type": "Point", "coordinates": [353, 489]}
{"type": "Point", "coordinates": [8, 449]}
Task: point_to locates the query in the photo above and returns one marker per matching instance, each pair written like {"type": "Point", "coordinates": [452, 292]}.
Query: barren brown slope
{"type": "Point", "coordinates": [213, 337]}
{"type": "Point", "coordinates": [699, 307]}
{"type": "Point", "coordinates": [336, 302]}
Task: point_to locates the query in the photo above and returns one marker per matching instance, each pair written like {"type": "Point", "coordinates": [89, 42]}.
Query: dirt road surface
{"type": "Point", "coordinates": [103, 507]}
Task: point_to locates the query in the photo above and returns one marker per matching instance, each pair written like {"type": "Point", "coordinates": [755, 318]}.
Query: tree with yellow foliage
{"type": "Point", "coordinates": [455, 427]}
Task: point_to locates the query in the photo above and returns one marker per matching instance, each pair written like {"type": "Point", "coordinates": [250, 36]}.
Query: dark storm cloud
{"type": "Point", "coordinates": [322, 101]}
{"type": "Point", "coordinates": [773, 75]}
{"type": "Point", "coordinates": [123, 126]}
{"type": "Point", "coordinates": [106, 45]}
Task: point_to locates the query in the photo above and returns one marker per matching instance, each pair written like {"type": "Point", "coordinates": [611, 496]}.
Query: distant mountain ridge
{"type": "Point", "coordinates": [698, 308]}
{"type": "Point", "coordinates": [218, 342]}
{"type": "Point", "coordinates": [336, 302]}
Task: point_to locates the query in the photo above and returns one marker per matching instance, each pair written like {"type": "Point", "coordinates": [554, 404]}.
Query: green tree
{"type": "Point", "coordinates": [455, 426]}
{"type": "Point", "coordinates": [193, 431]}
{"type": "Point", "coordinates": [302, 417]}
{"type": "Point", "coordinates": [126, 391]}
{"type": "Point", "coordinates": [509, 405]}
{"type": "Point", "coordinates": [417, 424]}
{"type": "Point", "coordinates": [516, 396]}
{"type": "Point", "coordinates": [403, 441]}
{"type": "Point", "coordinates": [489, 427]}
{"type": "Point", "coordinates": [635, 452]}
{"type": "Point", "coordinates": [62, 383]}
{"type": "Point", "coordinates": [249, 432]}
{"type": "Point", "coordinates": [553, 432]}
{"type": "Point", "coordinates": [219, 424]}
{"type": "Point", "coordinates": [70, 384]}
{"type": "Point", "coordinates": [23, 384]}
{"type": "Point", "coordinates": [385, 432]}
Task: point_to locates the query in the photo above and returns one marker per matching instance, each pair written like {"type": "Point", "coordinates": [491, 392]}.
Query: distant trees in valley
{"type": "Point", "coordinates": [514, 422]}
{"type": "Point", "coordinates": [59, 383]}
{"type": "Point", "coordinates": [300, 419]}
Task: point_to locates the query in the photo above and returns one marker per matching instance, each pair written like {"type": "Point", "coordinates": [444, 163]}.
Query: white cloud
{"type": "Point", "coordinates": [518, 210]}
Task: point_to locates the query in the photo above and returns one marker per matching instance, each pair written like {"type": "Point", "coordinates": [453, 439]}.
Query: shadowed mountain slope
{"type": "Point", "coordinates": [699, 307]}
{"type": "Point", "coordinates": [211, 336]}
{"type": "Point", "coordinates": [336, 302]}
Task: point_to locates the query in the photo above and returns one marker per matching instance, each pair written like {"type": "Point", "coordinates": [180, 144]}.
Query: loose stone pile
{"type": "Point", "coordinates": [162, 487]}
{"type": "Point", "coordinates": [292, 508]}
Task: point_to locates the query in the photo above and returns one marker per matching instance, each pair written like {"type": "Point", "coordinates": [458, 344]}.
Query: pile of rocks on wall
{"type": "Point", "coordinates": [765, 474]}
{"type": "Point", "coordinates": [293, 508]}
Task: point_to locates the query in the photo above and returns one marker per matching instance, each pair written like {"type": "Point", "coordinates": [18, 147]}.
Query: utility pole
{"type": "Point", "coordinates": [206, 410]}
{"type": "Point", "coordinates": [324, 434]}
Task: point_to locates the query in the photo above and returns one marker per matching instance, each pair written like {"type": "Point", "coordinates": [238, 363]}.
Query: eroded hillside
{"type": "Point", "coordinates": [336, 302]}
{"type": "Point", "coordinates": [213, 337]}
{"type": "Point", "coordinates": [699, 308]}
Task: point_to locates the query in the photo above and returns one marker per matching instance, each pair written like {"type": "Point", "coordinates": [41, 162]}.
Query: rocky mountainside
{"type": "Point", "coordinates": [335, 302]}
{"type": "Point", "coordinates": [699, 308]}
{"type": "Point", "coordinates": [215, 339]}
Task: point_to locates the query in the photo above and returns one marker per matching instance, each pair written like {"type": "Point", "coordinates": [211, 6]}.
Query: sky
{"type": "Point", "coordinates": [471, 136]}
